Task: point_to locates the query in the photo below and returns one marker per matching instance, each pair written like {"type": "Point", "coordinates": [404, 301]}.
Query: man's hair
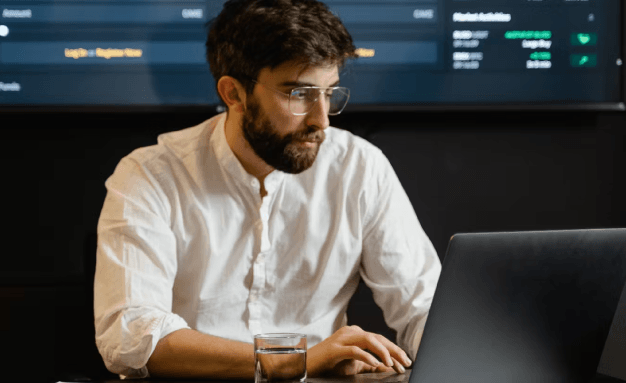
{"type": "Point", "coordinates": [249, 35]}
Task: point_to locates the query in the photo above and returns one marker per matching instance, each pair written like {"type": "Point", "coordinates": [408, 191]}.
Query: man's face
{"type": "Point", "coordinates": [286, 142]}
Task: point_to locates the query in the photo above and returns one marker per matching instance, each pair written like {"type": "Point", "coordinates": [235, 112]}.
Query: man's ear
{"type": "Point", "coordinates": [232, 92]}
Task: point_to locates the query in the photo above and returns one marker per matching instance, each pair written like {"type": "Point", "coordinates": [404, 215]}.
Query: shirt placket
{"type": "Point", "coordinates": [259, 268]}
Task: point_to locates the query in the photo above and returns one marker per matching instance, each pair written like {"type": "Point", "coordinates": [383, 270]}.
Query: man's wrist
{"type": "Point", "coordinates": [313, 363]}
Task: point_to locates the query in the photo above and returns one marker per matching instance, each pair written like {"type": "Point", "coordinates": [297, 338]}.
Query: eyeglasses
{"type": "Point", "coordinates": [302, 99]}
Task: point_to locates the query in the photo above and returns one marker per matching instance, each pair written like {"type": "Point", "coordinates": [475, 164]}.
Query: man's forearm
{"type": "Point", "coordinates": [191, 354]}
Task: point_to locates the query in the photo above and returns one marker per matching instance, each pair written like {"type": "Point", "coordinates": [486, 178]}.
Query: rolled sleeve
{"type": "Point", "coordinates": [135, 269]}
{"type": "Point", "coordinates": [399, 262]}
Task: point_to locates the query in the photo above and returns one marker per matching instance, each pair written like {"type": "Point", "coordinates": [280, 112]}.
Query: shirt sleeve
{"type": "Point", "coordinates": [135, 270]}
{"type": "Point", "coordinates": [399, 262]}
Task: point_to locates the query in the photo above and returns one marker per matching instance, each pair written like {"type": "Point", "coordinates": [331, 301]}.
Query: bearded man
{"type": "Point", "coordinates": [261, 219]}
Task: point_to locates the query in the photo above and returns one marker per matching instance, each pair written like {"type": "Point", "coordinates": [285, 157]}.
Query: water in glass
{"type": "Point", "coordinates": [280, 364]}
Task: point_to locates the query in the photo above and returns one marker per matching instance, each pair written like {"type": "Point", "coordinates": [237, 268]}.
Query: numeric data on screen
{"type": "Point", "coordinates": [410, 52]}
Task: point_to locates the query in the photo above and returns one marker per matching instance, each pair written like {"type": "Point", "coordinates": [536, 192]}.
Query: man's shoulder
{"type": "Point", "coordinates": [346, 140]}
{"type": "Point", "coordinates": [189, 140]}
{"type": "Point", "coordinates": [344, 145]}
{"type": "Point", "coordinates": [175, 145]}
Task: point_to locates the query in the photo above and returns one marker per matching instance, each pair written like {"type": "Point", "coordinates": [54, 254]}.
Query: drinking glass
{"type": "Point", "coordinates": [280, 358]}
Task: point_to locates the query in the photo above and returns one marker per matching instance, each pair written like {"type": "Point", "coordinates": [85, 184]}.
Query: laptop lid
{"type": "Point", "coordinates": [523, 307]}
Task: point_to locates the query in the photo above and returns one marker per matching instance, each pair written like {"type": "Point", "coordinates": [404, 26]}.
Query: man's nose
{"type": "Point", "coordinates": [318, 115]}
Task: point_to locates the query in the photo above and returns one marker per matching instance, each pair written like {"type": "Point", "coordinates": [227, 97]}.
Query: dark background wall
{"type": "Point", "coordinates": [463, 171]}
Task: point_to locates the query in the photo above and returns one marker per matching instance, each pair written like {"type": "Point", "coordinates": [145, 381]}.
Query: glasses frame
{"type": "Point", "coordinates": [322, 90]}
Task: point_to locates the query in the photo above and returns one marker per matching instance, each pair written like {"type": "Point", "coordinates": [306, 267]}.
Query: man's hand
{"type": "Point", "coordinates": [351, 351]}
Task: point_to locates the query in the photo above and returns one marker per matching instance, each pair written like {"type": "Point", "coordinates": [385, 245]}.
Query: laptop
{"type": "Point", "coordinates": [520, 307]}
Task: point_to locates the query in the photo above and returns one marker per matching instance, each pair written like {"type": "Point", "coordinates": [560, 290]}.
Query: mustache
{"type": "Point", "coordinates": [311, 135]}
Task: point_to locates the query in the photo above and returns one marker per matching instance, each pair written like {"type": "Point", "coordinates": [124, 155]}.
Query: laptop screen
{"type": "Point", "coordinates": [523, 307]}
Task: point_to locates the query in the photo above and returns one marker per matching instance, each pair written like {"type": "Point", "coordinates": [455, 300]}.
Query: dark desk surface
{"type": "Point", "coordinates": [385, 377]}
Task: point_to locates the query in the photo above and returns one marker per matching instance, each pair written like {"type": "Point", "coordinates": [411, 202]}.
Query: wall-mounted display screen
{"type": "Point", "coordinates": [413, 54]}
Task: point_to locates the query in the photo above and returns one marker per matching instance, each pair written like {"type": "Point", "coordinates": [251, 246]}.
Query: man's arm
{"type": "Point", "coordinates": [399, 262]}
{"type": "Point", "coordinates": [188, 353]}
{"type": "Point", "coordinates": [136, 263]}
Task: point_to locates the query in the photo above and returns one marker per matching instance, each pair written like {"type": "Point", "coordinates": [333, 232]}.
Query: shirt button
{"type": "Point", "coordinates": [260, 258]}
{"type": "Point", "coordinates": [254, 183]}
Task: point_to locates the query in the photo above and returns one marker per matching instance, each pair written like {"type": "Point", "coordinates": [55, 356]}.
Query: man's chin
{"type": "Point", "coordinates": [303, 155]}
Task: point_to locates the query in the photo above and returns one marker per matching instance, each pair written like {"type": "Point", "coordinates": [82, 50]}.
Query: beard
{"type": "Point", "coordinates": [287, 153]}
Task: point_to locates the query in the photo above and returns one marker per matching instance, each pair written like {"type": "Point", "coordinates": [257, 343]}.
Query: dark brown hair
{"type": "Point", "coordinates": [249, 35]}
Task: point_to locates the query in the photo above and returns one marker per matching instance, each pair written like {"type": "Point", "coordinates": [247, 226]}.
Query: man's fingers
{"type": "Point", "coordinates": [372, 344]}
{"type": "Point", "coordinates": [374, 350]}
{"type": "Point", "coordinates": [401, 357]}
{"type": "Point", "coordinates": [359, 354]}
{"type": "Point", "coordinates": [382, 368]}
{"type": "Point", "coordinates": [386, 351]}
{"type": "Point", "coordinates": [395, 352]}
{"type": "Point", "coordinates": [398, 367]}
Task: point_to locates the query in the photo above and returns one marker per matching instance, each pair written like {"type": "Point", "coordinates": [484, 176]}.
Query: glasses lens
{"type": "Point", "coordinates": [302, 100]}
{"type": "Point", "coordinates": [338, 100]}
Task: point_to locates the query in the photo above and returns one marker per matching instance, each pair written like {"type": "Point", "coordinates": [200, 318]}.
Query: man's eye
{"type": "Point", "coordinates": [300, 95]}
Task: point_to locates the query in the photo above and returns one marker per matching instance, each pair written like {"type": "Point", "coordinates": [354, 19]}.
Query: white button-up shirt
{"type": "Point", "coordinates": [186, 241]}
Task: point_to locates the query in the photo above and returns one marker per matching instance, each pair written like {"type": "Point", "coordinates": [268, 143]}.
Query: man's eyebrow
{"type": "Point", "coordinates": [297, 84]}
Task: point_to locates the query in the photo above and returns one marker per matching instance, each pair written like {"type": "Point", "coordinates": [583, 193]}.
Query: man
{"type": "Point", "coordinates": [261, 219]}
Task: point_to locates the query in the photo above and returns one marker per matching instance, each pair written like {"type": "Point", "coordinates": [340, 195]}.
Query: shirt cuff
{"type": "Point", "coordinates": [127, 346]}
{"type": "Point", "coordinates": [416, 339]}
